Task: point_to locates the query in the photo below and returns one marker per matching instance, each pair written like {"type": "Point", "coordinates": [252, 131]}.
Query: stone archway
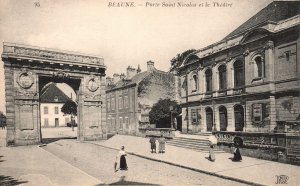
{"type": "Point", "coordinates": [28, 68]}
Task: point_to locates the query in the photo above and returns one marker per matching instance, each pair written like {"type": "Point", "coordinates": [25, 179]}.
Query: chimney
{"type": "Point", "coordinates": [138, 70]}
{"type": "Point", "coordinates": [116, 78]}
{"type": "Point", "coordinates": [122, 76]}
{"type": "Point", "coordinates": [150, 65]}
{"type": "Point", "coordinates": [130, 72]}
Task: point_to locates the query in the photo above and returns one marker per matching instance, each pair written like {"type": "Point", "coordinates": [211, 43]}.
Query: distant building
{"type": "Point", "coordinates": [51, 101]}
{"type": "Point", "coordinates": [249, 81]}
{"type": "Point", "coordinates": [130, 97]}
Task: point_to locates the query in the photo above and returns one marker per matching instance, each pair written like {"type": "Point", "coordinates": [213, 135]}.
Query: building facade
{"type": "Point", "coordinates": [51, 101]}
{"type": "Point", "coordinates": [249, 81]}
{"type": "Point", "coordinates": [130, 97]}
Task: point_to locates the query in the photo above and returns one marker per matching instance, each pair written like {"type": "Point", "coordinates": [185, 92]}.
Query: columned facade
{"type": "Point", "coordinates": [245, 82]}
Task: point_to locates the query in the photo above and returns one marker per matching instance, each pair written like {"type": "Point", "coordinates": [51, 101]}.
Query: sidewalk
{"type": "Point", "coordinates": [250, 170]}
{"type": "Point", "coordinates": [31, 165]}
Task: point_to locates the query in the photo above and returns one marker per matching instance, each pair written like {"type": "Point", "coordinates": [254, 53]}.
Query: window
{"type": "Point", "coordinates": [45, 110]}
{"type": "Point", "coordinates": [127, 122]}
{"type": "Point", "coordinates": [239, 78]}
{"type": "Point", "coordinates": [120, 102]}
{"type": "Point", "coordinates": [194, 116]}
{"type": "Point", "coordinates": [120, 123]}
{"type": "Point", "coordinates": [260, 111]}
{"type": "Point", "coordinates": [208, 80]}
{"type": "Point", "coordinates": [46, 122]}
{"type": "Point", "coordinates": [113, 104]}
{"type": "Point", "coordinates": [258, 67]}
{"type": "Point", "coordinates": [287, 55]}
{"type": "Point", "coordinates": [222, 77]}
{"type": "Point", "coordinates": [195, 83]}
{"type": "Point", "coordinates": [56, 110]}
{"type": "Point", "coordinates": [125, 101]}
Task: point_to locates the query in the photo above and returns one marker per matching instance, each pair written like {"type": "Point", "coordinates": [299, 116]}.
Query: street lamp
{"type": "Point", "coordinates": [171, 109]}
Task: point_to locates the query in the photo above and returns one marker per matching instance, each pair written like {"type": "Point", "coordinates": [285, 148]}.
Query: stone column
{"type": "Point", "coordinates": [269, 64]}
{"type": "Point", "coordinates": [231, 119]}
{"type": "Point", "coordinates": [272, 113]}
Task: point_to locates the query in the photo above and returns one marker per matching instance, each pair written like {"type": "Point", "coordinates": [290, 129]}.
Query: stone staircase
{"type": "Point", "coordinates": [197, 142]}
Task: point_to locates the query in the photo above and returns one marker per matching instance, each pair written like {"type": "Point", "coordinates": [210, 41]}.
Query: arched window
{"type": "Point", "coordinates": [195, 82]}
{"type": "Point", "coordinates": [239, 117]}
{"type": "Point", "coordinates": [258, 67]}
{"type": "Point", "coordinates": [209, 119]}
{"type": "Point", "coordinates": [239, 78]}
{"type": "Point", "coordinates": [223, 118]}
{"type": "Point", "coordinates": [222, 77]}
{"type": "Point", "coordinates": [208, 80]}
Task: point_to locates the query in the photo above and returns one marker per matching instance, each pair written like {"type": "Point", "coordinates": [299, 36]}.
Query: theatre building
{"type": "Point", "coordinates": [130, 97]}
{"type": "Point", "coordinates": [248, 81]}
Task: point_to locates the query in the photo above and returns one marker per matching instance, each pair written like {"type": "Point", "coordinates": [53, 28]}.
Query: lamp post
{"type": "Point", "coordinates": [171, 109]}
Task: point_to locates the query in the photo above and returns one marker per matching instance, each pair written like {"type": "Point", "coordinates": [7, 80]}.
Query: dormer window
{"type": "Point", "coordinates": [55, 99]}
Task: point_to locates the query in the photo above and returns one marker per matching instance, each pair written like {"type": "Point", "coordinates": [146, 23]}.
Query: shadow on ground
{"type": "Point", "coordinates": [122, 181]}
{"type": "Point", "coordinates": [51, 140]}
{"type": "Point", "coordinates": [8, 180]}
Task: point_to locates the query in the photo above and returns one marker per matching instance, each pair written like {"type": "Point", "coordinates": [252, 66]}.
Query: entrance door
{"type": "Point", "coordinates": [56, 122]}
{"type": "Point", "coordinates": [209, 119]}
{"type": "Point", "coordinates": [239, 118]}
{"type": "Point", "coordinates": [223, 118]}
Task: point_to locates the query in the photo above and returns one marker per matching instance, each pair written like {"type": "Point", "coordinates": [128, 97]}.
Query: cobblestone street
{"type": "Point", "coordinates": [98, 162]}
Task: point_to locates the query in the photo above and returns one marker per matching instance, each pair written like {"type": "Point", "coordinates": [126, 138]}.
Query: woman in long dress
{"type": "Point", "coordinates": [161, 142]}
{"type": "Point", "coordinates": [120, 163]}
{"type": "Point", "coordinates": [212, 143]}
{"type": "Point", "coordinates": [236, 154]}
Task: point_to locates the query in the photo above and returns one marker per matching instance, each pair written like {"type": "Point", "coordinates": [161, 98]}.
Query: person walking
{"type": "Point", "coordinates": [153, 144]}
{"type": "Point", "coordinates": [212, 144]}
{"type": "Point", "coordinates": [236, 153]}
{"type": "Point", "coordinates": [161, 144]}
{"type": "Point", "coordinates": [121, 163]}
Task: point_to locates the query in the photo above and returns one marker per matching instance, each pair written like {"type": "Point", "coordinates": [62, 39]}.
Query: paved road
{"type": "Point", "coordinates": [98, 162]}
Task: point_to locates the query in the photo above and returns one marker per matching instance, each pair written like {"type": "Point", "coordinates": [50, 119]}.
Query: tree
{"type": "Point", "coordinates": [70, 108]}
{"type": "Point", "coordinates": [178, 60]}
{"type": "Point", "coordinates": [160, 113]}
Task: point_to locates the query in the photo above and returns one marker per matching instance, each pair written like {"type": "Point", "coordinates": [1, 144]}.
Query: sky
{"type": "Point", "coordinates": [123, 36]}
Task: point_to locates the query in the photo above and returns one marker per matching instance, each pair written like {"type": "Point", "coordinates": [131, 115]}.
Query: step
{"type": "Point", "coordinates": [189, 141]}
{"type": "Point", "coordinates": [192, 139]}
{"type": "Point", "coordinates": [205, 150]}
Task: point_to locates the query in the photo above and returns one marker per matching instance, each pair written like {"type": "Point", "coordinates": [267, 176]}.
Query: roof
{"type": "Point", "coordinates": [274, 12]}
{"type": "Point", "coordinates": [52, 94]}
{"type": "Point", "coordinates": [127, 82]}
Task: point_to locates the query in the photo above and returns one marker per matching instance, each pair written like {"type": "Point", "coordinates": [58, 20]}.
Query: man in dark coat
{"type": "Point", "coordinates": [153, 144]}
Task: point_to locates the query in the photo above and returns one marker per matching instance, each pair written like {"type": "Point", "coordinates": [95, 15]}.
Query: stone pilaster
{"type": "Point", "coordinates": [269, 64]}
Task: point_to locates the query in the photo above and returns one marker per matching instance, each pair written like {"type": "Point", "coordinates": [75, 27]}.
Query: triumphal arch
{"type": "Point", "coordinates": [28, 69]}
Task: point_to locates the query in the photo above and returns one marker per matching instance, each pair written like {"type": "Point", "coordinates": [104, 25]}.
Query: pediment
{"type": "Point", "coordinates": [255, 35]}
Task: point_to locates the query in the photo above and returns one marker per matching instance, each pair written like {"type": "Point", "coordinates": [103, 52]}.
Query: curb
{"type": "Point", "coordinates": [182, 166]}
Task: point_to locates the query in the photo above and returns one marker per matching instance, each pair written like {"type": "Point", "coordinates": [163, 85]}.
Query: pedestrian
{"type": "Point", "coordinates": [120, 163]}
{"type": "Point", "coordinates": [236, 153]}
{"type": "Point", "coordinates": [153, 144]}
{"type": "Point", "coordinates": [161, 143]}
{"type": "Point", "coordinates": [212, 144]}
